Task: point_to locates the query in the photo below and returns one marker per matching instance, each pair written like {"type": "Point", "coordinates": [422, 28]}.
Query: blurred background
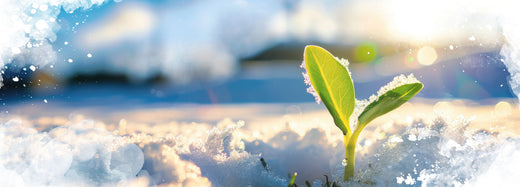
{"type": "Point", "coordinates": [95, 52]}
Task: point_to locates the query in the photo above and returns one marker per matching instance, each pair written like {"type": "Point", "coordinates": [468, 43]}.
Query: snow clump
{"type": "Point", "coordinates": [76, 154]}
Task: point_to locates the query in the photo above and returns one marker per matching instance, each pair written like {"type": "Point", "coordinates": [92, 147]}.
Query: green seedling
{"type": "Point", "coordinates": [293, 178]}
{"type": "Point", "coordinates": [330, 82]}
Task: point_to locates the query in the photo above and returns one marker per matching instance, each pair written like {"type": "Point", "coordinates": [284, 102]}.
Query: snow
{"type": "Point", "coordinates": [396, 82]}
{"type": "Point", "coordinates": [307, 80]}
{"type": "Point", "coordinates": [361, 104]}
{"type": "Point", "coordinates": [144, 149]}
{"type": "Point", "coordinates": [510, 51]}
{"type": "Point", "coordinates": [29, 28]}
{"type": "Point", "coordinates": [61, 155]}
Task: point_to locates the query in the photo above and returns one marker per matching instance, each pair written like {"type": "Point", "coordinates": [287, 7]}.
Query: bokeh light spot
{"type": "Point", "coordinates": [366, 52]}
{"type": "Point", "coordinates": [443, 107]}
{"type": "Point", "coordinates": [503, 109]}
{"type": "Point", "coordinates": [410, 59]}
{"type": "Point", "coordinates": [426, 56]}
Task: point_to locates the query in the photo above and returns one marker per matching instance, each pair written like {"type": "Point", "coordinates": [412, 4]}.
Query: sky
{"type": "Point", "coordinates": [204, 40]}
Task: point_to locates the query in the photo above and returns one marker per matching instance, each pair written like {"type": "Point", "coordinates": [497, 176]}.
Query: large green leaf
{"type": "Point", "coordinates": [388, 102]}
{"type": "Point", "coordinates": [332, 82]}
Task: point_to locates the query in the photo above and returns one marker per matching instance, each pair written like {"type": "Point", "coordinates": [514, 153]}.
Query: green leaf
{"type": "Point", "coordinates": [388, 102]}
{"type": "Point", "coordinates": [332, 82]}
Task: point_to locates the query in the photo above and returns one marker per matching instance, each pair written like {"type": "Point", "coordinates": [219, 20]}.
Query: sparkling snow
{"type": "Point", "coordinates": [152, 147]}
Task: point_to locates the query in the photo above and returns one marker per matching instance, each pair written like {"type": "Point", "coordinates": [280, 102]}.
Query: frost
{"type": "Point", "coordinates": [362, 104]}
{"type": "Point", "coordinates": [307, 80]}
{"type": "Point", "coordinates": [343, 62]}
{"type": "Point", "coordinates": [398, 81]}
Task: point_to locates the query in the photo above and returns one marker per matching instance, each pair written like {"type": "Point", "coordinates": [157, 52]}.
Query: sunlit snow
{"type": "Point", "coordinates": [163, 146]}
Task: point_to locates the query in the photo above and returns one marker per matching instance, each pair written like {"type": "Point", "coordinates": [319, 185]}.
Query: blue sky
{"type": "Point", "coordinates": [187, 41]}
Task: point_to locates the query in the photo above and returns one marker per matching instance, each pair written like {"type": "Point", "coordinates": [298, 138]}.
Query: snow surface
{"type": "Point", "coordinates": [148, 148]}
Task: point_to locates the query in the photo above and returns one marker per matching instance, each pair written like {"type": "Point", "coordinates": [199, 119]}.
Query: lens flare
{"type": "Point", "coordinates": [503, 109]}
{"type": "Point", "coordinates": [366, 52]}
{"type": "Point", "coordinates": [426, 56]}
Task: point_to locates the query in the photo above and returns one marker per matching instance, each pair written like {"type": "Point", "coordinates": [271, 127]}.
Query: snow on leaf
{"type": "Point", "coordinates": [389, 98]}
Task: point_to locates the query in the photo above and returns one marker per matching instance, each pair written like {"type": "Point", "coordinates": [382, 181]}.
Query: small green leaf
{"type": "Point", "coordinates": [332, 82]}
{"type": "Point", "coordinates": [388, 102]}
